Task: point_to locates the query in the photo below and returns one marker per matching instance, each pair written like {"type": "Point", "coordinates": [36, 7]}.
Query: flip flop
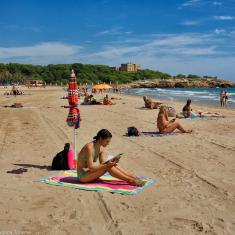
{"type": "Point", "coordinates": [18, 171]}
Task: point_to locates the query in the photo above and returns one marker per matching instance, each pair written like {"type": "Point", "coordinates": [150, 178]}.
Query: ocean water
{"type": "Point", "coordinates": [198, 95]}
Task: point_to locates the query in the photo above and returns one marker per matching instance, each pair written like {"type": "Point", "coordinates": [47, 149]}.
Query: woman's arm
{"type": "Point", "coordinates": [164, 121]}
{"type": "Point", "coordinates": [166, 116]}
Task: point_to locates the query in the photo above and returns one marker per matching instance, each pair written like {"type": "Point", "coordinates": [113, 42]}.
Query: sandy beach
{"type": "Point", "coordinates": [195, 189]}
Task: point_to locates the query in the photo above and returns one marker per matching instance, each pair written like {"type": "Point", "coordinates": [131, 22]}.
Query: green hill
{"type": "Point", "coordinates": [86, 73]}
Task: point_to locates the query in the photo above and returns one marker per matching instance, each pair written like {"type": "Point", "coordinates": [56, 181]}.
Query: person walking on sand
{"type": "Point", "coordinates": [166, 126]}
{"type": "Point", "coordinates": [91, 163]}
{"type": "Point", "coordinates": [222, 98]}
{"type": "Point", "coordinates": [14, 90]}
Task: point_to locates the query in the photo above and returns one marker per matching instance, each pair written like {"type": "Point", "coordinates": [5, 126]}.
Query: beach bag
{"type": "Point", "coordinates": [133, 131]}
{"type": "Point", "coordinates": [60, 161]}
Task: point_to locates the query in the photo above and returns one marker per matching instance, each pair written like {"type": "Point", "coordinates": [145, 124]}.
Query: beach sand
{"type": "Point", "coordinates": [195, 189]}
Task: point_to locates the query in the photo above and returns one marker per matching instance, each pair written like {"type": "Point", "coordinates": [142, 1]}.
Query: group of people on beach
{"type": "Point", "coordinates": [14, 91]}
{"type": "Point", "coordinates": [89, 99]}
{"type": "Point", "coordinates": [91, 161]}
{"type": "Point", "coordinates": [91, 164]}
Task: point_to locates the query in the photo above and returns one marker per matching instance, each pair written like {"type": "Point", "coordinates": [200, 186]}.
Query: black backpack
{"type": "Point", "coordinates": [60, 161]}
{"type": "Point", "coordinates": [133, 131]}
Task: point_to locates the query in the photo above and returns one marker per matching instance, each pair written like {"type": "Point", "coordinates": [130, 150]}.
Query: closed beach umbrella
{"type": "Point", "coordinates": [73, 119]}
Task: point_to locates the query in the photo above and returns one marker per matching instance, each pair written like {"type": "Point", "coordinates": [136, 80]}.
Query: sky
{"type": "Point", "coordinates": [181, 36]}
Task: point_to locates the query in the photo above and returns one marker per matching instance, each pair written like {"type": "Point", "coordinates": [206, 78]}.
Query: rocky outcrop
{"type": "Point", "coordinates": [179, 83]}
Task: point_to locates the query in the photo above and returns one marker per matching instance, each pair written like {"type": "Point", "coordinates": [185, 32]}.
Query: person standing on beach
{"type": "Point", "coordinates": [222, 98]}
{"type": "Point", "coordinates": [226, 98]}
{"type": "Point", "coordinates": [14, 90]}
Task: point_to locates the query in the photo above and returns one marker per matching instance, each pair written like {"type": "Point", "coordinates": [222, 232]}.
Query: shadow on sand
{"type": "Point", "coordinates": [34, 166]}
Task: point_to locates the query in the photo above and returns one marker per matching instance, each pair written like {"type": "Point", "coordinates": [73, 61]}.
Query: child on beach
{"type": "Point", "coordinates": [91, 163]}
{"type": "Point", "coordinates": [166, 126]}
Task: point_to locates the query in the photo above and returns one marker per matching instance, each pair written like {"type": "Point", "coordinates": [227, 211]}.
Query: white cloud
{"type": "Point", "coordinates": [195, 3]}
{"type": "Point", "coordinates": [224, 17]}
{"type": "Point", "coordinates": [113, 31]}
{"type": "Point", "coordinates": [173, 53]}
{"type": "Point", "coordinates": [190, 3]}
{"type": "Point", "coordinates": [46, 52]}
{"type": "Point", "coordinates": [217, 3]}
{"type": "Point", "coordinates": [159, 46]}
{"type": "Point", "coordinates": [190, 22]}
{"type": "Point", "coordinates": [220, 31]}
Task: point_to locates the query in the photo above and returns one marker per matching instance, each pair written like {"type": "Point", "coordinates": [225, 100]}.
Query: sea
{"type": "Point", "coordinates": [209, 96]}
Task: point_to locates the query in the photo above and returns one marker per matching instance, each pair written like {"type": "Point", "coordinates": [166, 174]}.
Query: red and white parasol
{"type": "Point", "coordinates": [73, 119]}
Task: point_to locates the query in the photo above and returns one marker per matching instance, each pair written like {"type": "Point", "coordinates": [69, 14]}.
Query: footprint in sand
{"type": "Point", "coordinates": [220, 223]}
{"type": "Point", "coordinates": [124, 206]}
{"type": "Point", "coordinates": [190, 223]}
{"type": "Point", "coordinates": [73, 215]}
{"type": "Point", "coordinates": [42, 202]}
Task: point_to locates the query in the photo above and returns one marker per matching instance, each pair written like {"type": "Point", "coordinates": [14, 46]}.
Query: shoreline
{"type": "Point", "coordinates": [180, 101]}
{"type": "Point", "coordinates": [177, 102]}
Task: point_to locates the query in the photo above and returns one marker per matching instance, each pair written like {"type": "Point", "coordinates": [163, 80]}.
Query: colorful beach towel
{"type": "Point", "coordinates": [202, 117]}
{"type": "Point", "coordinates": [205, 116]}
{"type": "Point", "coordinates": [105, 183]}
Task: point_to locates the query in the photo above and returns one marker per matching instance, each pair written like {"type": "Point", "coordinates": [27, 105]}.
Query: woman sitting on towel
{"type": "Point", "coordinates": [166, 126]}
{"type": "Point", "coordinates": [91, 163]}
{"type": "Point", "coordinates": [106, 101]}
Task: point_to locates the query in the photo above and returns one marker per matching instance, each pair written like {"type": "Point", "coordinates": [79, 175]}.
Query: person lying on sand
{"type": "Point", "coordinates": [199, 113]}
{"type": "Point", "coordinates": [150, 104]}
{"type": "Point", "coordinates": [166, 126]}
{"type": "Point", "coordinates": [107, 101]}
{"type": "Point", "coordinates": [92, 157]}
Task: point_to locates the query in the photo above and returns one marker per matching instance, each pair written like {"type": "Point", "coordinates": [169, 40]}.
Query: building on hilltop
{"type": "Point", "coordinates": [129, 67]}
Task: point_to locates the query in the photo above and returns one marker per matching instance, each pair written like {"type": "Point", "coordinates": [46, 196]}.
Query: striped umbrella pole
{"type": "Point", "coordinates": [73, 119]}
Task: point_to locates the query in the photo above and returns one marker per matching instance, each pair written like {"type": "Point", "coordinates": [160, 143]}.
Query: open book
{"type": "Point", "coordinates": [112, 158]}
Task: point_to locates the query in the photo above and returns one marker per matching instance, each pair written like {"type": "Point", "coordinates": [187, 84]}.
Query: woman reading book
{"type": "Point", "coordinates": [91, 163]}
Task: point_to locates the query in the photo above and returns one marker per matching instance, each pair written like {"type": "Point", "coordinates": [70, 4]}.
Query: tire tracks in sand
{"type": "Point", "coordinates": [97, 211]}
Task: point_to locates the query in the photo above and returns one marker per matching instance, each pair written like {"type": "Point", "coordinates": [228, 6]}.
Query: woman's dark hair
{"type": "Point", "coordinates": [103, 134]}
{"type": "Point", "coordinates": [188, 102]}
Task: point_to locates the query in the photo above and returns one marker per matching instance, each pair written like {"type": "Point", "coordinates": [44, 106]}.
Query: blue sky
{"type": "Point", "coordinates": [191, 36]}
